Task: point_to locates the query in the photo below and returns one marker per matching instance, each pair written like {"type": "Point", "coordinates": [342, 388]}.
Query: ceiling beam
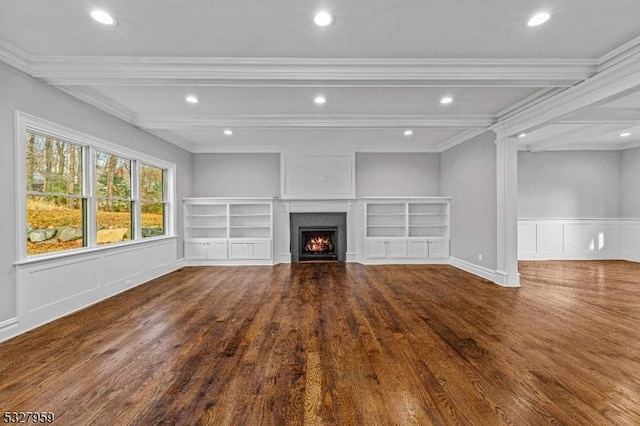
{"type": "Point", "coordinates": [150, 71]}
{"type": "Point", "coordinates": [315, 121]}
{"type": "Point", "coordinates": [603, 116]}
{"type": "Point", "coordinates": [613, 83]}
{"type": "Point", "coordinates": [574, 137]}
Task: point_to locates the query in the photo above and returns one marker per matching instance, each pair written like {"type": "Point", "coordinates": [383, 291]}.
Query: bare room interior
{"type": "Point", "coordinates": [340, 213]}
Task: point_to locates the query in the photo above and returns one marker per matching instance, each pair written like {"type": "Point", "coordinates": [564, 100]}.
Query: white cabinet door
{"type": "Point", "coordinates": [397, 248]}
{"type": "Point", "coordinates": [195, 251]}
{"type": "Point", "coordinates": [376, 249]}
{"type": "Point", "coordinates": [418, 249]}
{"type": "Point", "coordinates": [240, 250]}
{"type": "Point", "coordinates": [247, 249]}
{"type": "Point", "coordinates": [217, 250]}
{"type": "Point", "coordinates": [439, 249]}
{"type": "Point", "coordinates": [261, 249]}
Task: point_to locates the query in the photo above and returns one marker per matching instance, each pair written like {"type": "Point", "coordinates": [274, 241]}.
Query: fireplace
{"type": "Point", "coordinates": [318, 236]}
{"type": "Point", "coordinates": [318, 243]}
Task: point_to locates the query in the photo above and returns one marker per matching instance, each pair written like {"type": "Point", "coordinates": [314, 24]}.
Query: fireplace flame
{"type": "Point", "coordinates": [318, 244]}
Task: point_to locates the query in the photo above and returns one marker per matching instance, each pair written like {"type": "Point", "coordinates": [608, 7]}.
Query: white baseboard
{"type": "Point", "coordinates": [631, 257]}
{"type": "Point", "coordinates": [474, 269]}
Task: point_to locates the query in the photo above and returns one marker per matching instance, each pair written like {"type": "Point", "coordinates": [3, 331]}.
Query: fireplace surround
{"type": "Point", "coordinates": [318, 236]}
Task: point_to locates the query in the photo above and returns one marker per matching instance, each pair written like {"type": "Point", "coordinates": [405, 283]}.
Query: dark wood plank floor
{"type": "Point", "coordinates": [336, 344]}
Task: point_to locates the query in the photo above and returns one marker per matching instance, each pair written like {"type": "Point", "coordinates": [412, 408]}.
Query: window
{"type": "Point", "coordinates": [114, 204]}
{"type": "Point", "coordinates": [152, 200]}
{"type": "Point", "coordinates": [56, 206]}
{"type": "Point", "coordinates": [81, 193]}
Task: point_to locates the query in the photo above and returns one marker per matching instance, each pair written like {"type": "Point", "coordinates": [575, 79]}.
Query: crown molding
{"type": "Point", "coordinates": [171, 138]}
{"type": "Point", "coordinates": [108, 70]}
{"type": "Point", "coordinates": [17, 58]}
{"type": "Point", "coordinates": [620, 54]}
{"type": "Point", "coordinates": [343, 121]}
{"type": "Point", "coordinates": [460, 139]}
{"type": "Point", "coordinates": [95, 99]}
{"type": "Point", "coordinates": [528, 102]}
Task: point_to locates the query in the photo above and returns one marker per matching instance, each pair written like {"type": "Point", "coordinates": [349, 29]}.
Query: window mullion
{"type": "Point", "coordinates": [90, 194]}
{"type": "Point", "coordinates": [135, 198]}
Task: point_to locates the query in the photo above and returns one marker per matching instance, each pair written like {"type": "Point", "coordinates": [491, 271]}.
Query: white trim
{"type": "Point", "coordinates": [92, 97]}
{"type": "Point", "coordinates": [620, 54]}
{"type": "Point", "coordinates": [7, 325]}
{"type": "Point", "coordinates": [15, 57]}
{"type": "Point", "coordinates": [460, 139]}
{"type": "Point", "coordinates": [507, 210]}
{"type": "Point", "coordinates": [474, 269]}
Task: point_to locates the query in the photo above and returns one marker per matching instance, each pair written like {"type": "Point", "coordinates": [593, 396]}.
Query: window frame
{"type": "Point", "coordinates": [90, 144]}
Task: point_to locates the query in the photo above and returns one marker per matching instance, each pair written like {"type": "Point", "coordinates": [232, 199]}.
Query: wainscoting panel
{"type": "Point", "coordinates": [550, 238]}
{"type": "Point", "coordinates": [579, 239]}
{"type": "Point", "coordinates": [631, 240]}
{"type": "Point", "coordinates": [50, 289]}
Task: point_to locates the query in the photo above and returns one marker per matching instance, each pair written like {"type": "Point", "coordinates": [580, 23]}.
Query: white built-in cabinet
{"type": "Point", "coordinates": [228, 230]}
{"type": "Point", "coordinates": [414, 230]}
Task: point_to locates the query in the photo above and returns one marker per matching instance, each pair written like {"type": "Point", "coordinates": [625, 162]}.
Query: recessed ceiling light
{"type": "Point", "coordinates": [192, 99]}
{"type": "Point", "coordinates": [320, 99]}
{"type": "Point", "coordinates": [322, 18]}
{"type": "Point", "coordinates": [625, 135]}
{"type": "Point", "coordinates": [538, 19]}
{"type": "Point", "coordinates": [522, 135]}
{"type": "Point", "coordinates": [408, 132]}
{"type": "Point", "coordinates": [103, 17]}
{"type": "Point", "coordinates": [228, 132]}
{"type": "Point", "coordinates": [446, 100]}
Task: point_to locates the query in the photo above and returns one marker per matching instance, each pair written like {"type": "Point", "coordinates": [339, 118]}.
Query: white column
{"type": "Point", "coordinates": [507, 195]}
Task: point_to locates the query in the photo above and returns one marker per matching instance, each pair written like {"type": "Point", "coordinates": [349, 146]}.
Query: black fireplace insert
{"type": "Point", "coordinates": [318, 243]}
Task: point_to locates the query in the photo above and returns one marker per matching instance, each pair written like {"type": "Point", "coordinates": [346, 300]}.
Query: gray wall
{"type": "Point", "coordinates": [569, 184]}
{"type": "Point", "coordinates": [630, 184]}
{"type": "Point", "coordinates": [19, 91]}
{"type": "Point", "coordinates": [236, 175]}
{"type": "Point", "coordinates": [411, 174]}
{"type": "Point", "coordinates": [468, 175]}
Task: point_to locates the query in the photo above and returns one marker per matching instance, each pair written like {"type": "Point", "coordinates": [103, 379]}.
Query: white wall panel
{"type": "Point", "coordinates": [318, 176]}
{"type": "Point", "coordinates": [607, 237]}
{"type": "Point", "coordinates": [527, 243]}
{"type": "Point", "coordinates": [550, 238]}
{"type": "Point", "coordinates": [577, 238]}
{"type": "Point", "coordinates": [52, 284]}
{"type": "Point", "coordinates": [631, 240]}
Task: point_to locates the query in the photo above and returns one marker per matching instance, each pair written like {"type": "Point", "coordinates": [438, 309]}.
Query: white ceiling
{"type": "Point", "coordinates": [382, 65]}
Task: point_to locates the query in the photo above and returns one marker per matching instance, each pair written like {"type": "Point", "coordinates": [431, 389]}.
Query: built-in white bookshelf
{"type": "Point", "coordinates": [413, 229]}
{"type": "Point", "coordinates": [386, 219]}
{"type": "Point", "coordinates": [418, 218]}
{"type": "Point", "coordinates": [428, 219]}
{"type": "Point", "coordinates": [250, 220]}
{"type": "Point", "coordinates": [206, 221]}
{"type": "Point", "coordinates": [220, 229]}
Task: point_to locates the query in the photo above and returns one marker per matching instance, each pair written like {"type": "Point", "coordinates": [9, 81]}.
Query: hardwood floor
{"type": "Point", "coordinates": [336, 344]}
